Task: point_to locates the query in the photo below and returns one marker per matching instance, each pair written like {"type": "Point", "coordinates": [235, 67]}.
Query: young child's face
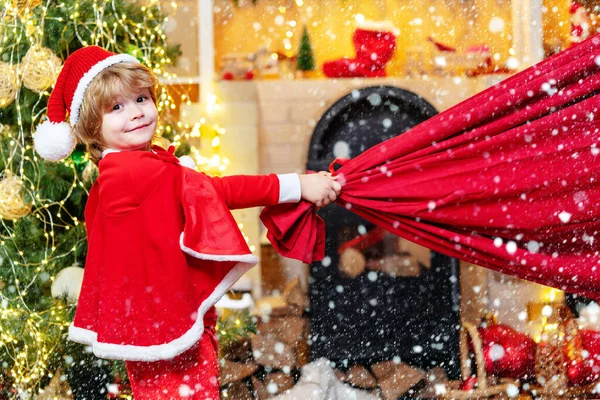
{"type": "Point", "coordinates": [131, 122]}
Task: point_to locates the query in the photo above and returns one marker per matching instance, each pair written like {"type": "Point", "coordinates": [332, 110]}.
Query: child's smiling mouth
{"type": "Point", "coordinates": [139, 127]}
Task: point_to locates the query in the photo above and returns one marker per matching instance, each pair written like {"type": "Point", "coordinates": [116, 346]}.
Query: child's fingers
{"type": "Point", "coordinates": [332, 196]}
{"type": "Point", "coordinates": [336, 187]}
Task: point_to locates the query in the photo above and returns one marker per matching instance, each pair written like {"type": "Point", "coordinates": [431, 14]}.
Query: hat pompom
{"type": "Point", "coordinates": [54, 141]}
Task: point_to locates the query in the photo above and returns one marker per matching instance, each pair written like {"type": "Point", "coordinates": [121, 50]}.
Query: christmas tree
{"type": "Point", "coordinates": [41, 203]}
{"type": "Point", "coordinates": [306, 60]}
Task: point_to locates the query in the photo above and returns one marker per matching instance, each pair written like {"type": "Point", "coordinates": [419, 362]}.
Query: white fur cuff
{"type": "Point", "coordinates": [290, 190]}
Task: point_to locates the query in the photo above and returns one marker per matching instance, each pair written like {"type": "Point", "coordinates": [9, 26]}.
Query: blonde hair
{"type": "Point", "coordinates": [99, 97]}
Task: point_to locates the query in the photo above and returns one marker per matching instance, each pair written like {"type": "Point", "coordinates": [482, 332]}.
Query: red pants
{"type": "Point", "coordinates": [193, 374]}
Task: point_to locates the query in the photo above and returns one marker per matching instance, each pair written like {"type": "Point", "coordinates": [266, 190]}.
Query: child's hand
{"type": "Point", "coordinates": [320, 189]}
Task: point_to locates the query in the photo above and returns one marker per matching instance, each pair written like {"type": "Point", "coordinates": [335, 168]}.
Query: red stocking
{"type": "Point", "coordinates": [374, 49]}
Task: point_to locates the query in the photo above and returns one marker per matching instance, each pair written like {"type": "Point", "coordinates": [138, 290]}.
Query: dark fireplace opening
{"type": "Point", "coordinates": [376, 297]}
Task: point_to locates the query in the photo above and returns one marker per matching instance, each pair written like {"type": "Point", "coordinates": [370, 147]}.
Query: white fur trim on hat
{"type": "Point", "coordinates": [89, 76]}
{"type": "Point", "coordinates": [383, 26]}
{"type": "Point", "coordinates": [54, 141]}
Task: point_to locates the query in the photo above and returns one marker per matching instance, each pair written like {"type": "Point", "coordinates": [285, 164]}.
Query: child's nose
{"type": "Point", "coordinates": [136, 112]}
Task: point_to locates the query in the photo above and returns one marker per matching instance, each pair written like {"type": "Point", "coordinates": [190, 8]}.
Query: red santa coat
{"type": "Point", "coordinates": [163, 247]}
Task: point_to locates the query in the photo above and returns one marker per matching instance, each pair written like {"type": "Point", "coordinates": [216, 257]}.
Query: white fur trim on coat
{"type": "Point", "coordinates": [247, 258]}
{"type": "Point", "coordinates": [89, 76]}
{"type": "Point", "coordinates": [163, 351]}
{"type": "Point", "coordinates": [54, 141]}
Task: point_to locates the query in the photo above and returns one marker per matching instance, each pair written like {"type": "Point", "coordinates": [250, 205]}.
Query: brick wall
{"type": "Point", "coordinates": [289, 110]}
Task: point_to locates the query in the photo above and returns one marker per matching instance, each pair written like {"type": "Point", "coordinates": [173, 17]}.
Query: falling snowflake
{"type": "Point", "coordinates": [431, 205]}
{"type": "Point", "coordinates": [341, 149]}
{"type": "Point", "coordinates": [185, 391]}
{"type": "Point", "coordinates": [113, 388]}
{"type": "Point", "coordinates": [512, 391]}
{"type": "Point", "coordinates": [496, 352]}
{"type": "Point", "coordinates": [272, 388]}
{"type": "Point", "coordinates": [533, 246]}
{"type": "Point", "coordinates": [374, 99]}
{"type": "Point", "coordinates": [549, 88]}
{"type": "Point", "coordinates": [279, 348]}
{"type": "Point", "coordinates": [512, 63]}
{"type": "Point", "coordinates": [564, 217]}
{"type": "Point", "coordinates": [496, 25]}
{"type": "Point", "coordinates": [511, 247]}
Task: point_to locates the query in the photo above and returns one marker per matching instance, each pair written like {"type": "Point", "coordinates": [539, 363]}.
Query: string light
{"type": "Point", "coordinates": [30, 333]}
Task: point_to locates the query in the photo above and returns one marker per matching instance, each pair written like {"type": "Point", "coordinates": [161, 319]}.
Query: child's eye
{"type": "Point", "coordinates": [141, 99]}
{"type": "Point", "coordinates": [116, 107]}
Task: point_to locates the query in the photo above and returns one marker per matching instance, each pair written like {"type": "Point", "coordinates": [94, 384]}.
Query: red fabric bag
{"type": "Point", "coordinates": [509, 179]}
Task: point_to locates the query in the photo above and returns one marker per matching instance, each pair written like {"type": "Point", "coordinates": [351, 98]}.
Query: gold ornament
{"type": "Point", "coordinates": [22, 5]}
{"type": "Point", "coordinates": [90, 172]}
{"type": "Point", "coordinates": [12, 202]}
{"type": "Point", "coordinates": [40, 68]}
{"type": "Point", "coordinates": [8, 84]}
{"type": "Point", "coordinates": [4, 130]}
{"type": "Point", "coordinates": [58, 388]}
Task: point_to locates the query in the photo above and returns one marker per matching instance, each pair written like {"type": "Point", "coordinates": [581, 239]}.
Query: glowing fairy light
{"type": "Point", "coordinates": [31, 333]}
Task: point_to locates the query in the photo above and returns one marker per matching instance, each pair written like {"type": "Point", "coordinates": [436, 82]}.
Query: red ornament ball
{"type": "Point", "coordinates": [507, 352]}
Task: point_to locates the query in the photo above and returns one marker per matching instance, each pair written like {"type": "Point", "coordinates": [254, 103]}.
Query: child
{"type": "Point", "coordinates": [163, 246]}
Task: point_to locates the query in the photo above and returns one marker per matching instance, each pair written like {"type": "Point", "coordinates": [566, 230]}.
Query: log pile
{"type": "Point", "coordinates": [269, 362]}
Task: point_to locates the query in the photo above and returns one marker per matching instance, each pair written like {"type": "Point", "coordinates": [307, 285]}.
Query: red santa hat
{"type": "Point", "coordinates": [54, 139]}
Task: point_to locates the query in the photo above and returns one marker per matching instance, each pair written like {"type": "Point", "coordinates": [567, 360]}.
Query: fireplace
{"type": "Point", "coordinates": [377, 297]}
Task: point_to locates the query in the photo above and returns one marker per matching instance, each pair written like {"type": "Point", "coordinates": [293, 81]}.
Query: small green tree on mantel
{"type": "Point", "coordinates": [306, 60]}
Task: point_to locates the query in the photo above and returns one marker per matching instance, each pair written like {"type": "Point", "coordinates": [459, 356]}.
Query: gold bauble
{"type": "Point", "coordinates": [58, 388]}
{"type": "Point", "coordinates": [40, 67]}
{"type": "Point", "coordinates": [4, 130]}
{"type": "Point", "coordinates": [22, 5]}
{"type": "Point", "coordinates": [90, 172]}
{"type": "Point", "coordinates": [12, 201]}
{"type": "Point", "coordinates": [8, 84]}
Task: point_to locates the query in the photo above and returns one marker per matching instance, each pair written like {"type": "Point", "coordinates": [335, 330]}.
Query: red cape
{"type": "Point", "coordinates": [163, 247]}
